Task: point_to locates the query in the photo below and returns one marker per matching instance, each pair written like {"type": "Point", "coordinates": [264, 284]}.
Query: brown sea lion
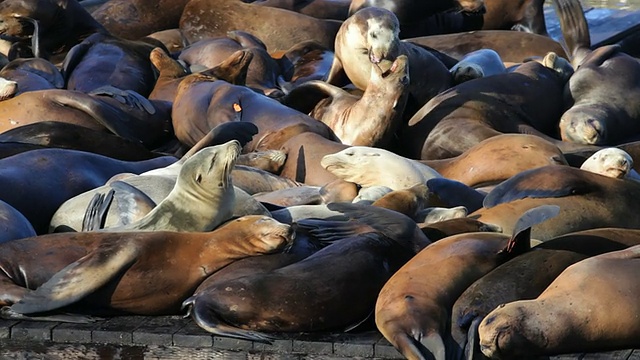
{"type": "Point", "coordinates": [62, 24]}
{"type": "Point", "coordinates": [263, 70]}
{"type": "Point", "coordinates": [279, 29]}
{"type": "Point", "coordinates": [486, 107]}
{"type": "Point", "coordinates": [498, 158]}
{"type": "Point", "coordinates": [369, 120]}
{"type": "Point", "coordinates": [589, 307]}
{"type": "Point", "coordinates": [37, 182]}
{"type": "Point", "coordinates": [304, 153]}
{"type": "Point", "coordinates": [172, 39]}
{"type": "Point", "coordinates": [33, 74]}
{"type": "Point", "coordinates": [413, 307]}
{"type": "Point", "coordinates": [526, 277]}
{"type": "Point", "coordinates": [599, 95]}
{"type": "Point", "coordinates": [319, 9]}
{"type": "Point", "coordinates": [512, 46]}
{"type": "Point", "coordinates": [305, 61]}
{"type": "Point", "coordinates": [411, 11]}
{"type": "Point", "coordinates": [443, 229]}
{"type": "Point", "coordinates": [104, 272]}
{"type": "Point", "coordinates": [202, 104]}
{"type": "Point", "coordinates": [586, 200]}
{"type": "Point", "coordinates": [134, 19]}
{"type": "Point", "coordinates": [370, 36]}
{"type": "Point", "coordinates": [309, 295]}
{"type": "Point", "coordinates": [170, 73]}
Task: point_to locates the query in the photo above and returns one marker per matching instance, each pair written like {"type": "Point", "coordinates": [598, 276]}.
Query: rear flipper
{"type": "Point", "coordinates": [96, 214]}
{"type": "Point", "coordinates": [472, 348]}
{"type": "Point", "coordinates": [8, 314]}
{"type": "Point", "coordinates": [208, 320]}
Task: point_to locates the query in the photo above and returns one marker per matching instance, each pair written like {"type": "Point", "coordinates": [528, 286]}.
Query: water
{"type": "Point", "coordinates": [613, 4]}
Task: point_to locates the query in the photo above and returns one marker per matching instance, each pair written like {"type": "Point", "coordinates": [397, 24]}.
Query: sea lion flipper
{"type": "Point", "coordinates": [128, 97]}
{"type": "Point", "coordinates": [209, 321]}
{"type": "Point", "coordinates": [132, 203]}
{"type": "Point", "coordinates": [96, 213]}
{"type": "Point", "coordinates": [434, 343]}
{"type": "Point", "coordinates": [7, 313]}
{"type": "Point", "coordinates": [522, 231]}
{"type": "Point", "coordinates": [328, 231]}
{"type": "Point", "coordinates": [307, 95]}
{"type": "Point", "coordinates": [79, 279]}
{"type": "Point", "coordinates": [455, 193]}
{"type": "Point", "coordinates": [73, 58]}
{"type": "Point", "coordinates": [472, 347]}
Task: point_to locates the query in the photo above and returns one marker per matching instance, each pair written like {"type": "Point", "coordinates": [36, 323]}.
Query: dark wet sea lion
{"type": "Point", "coordinates": [486, 107]}
{"type": "Point", "coordinates": [526, 276]}
{"type": "Point", "coordinates": [320, 9]}
{"type": "Point", "coordinates": [62, 23]}
{"type": "Point", "coordinates": [75, 137]}
{"type": "Point", "coordinates": [586, 201]}
{"type": "Point", "coordinates": [304, 153]}
{"type": "Point", "coordinates": [103, 59]}
{"type": "Point", "coordinates": [13, 225]}
{"type": "Point", "coordinates": [411, 11]}
{"type": "Point", "coordinates": [599, 95]}
{"type": "Point", "coordinates": [590, 307]}
{"type": "Point", "coordinates": [37, 182]}
{"type": "Point", "coordinates": [170, 73]}
{"type": "Point", "coordinates": [279, 29]}
{"type": "Point", "coordinates": [305, 61]}
{"type": "Point", "coordinates": [134, 19]}
{"type": "Point", "coordinates": [33, 74]}
{"type": "Point", "coordinates": [309, 295]}
{"type": "Point", "coordinates": [100, 272]}
{"type": "Point", "coordinates": [413, 307]}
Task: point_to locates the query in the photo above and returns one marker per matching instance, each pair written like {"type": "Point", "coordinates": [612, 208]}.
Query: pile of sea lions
{"type": "Point", "coordinates": [276, 167]}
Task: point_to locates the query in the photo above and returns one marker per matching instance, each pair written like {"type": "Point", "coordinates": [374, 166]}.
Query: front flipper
{"type": "Point", "coordinates": [127, 97]}
{"type": "Point", "coordinates": [80, 279]}
{"type": "Point", "coordinates": [133, 204]}
{"type": "Point", "coordinates": [336, 75]}
{"type": "Point", "coordinates": [7, 313]}
{"type": "Point", "coordinates": [96, 213]}
{"type": "Point", "coordinates": [208, 320]}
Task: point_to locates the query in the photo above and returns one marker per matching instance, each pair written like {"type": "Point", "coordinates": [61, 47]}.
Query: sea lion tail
{"type": "Point", "coordinates": [575, 29]}
{"type": "Point", "coordinates": [209, 321]}
{"type": "Point", "coordinates": [96, 214]}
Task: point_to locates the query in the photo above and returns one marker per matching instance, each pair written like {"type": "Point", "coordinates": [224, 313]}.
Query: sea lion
{"type": "Point", "coordinates": [433, 215]}
{"type": "Point", "coordinates": [370, 36]}
{"type": "Point", "coordinates": [134, 19]}
{"type": "Point", "coordinates": [202, 104]}
{"type": "Point", "coordinates": [279, 29]}
{"type": "Point", "coordinates": [477, 64]}
{"type": "Point", "coordinates": [263, 70]}
{"type": "Point", "coordinates": [13, 225]}
{"type": "Point", "coordinates": [309, 295]}
{"type": "Point", "coordinates": [487, 107]}
{"type": "Point", "coordinates": [370, 194]}
{"type": "Point", "coordinates": [319, 9]}
{"type": "Point", "coordinates": [611, 162]}
{"type": "Point", "coordinates": [33, 74]}
{"type": "Point", "coordinates": [596, 112]}
{"type": "Point", "coordinates": [443, 229]}
{"type": "Point", "coordinates": [304, 153]}
{"type": "Point", "coordinates": [586, 200]}
{"type": "Point", "coordinates": [414, 305]}
{"type": "Point", "coordinates": [37, 182]}
{"type": "Point", "coordinates": [526, 277]}
{"type": "Point", "coordinates": [367, 166]}
{"type": "Point", "coordinates": [411, 11]}
{"type": "Point", "coordinates": [498, 158]}
{"type": "Point", "coordinates": [62, 24]}
{"type": "Point", "coordinates": [100, 272]}
{"type": "Point", "coordinates": [202, 198]}
{"type": "Point", "coordinates": [170, 73]}
{"type": "Point", "coordinates": [573, 314]}
{"type": "Point", "coordinates": [103, 59]}
{"type": "Point", "coordinates": [8, 88]}
{"type": "Point", "coordinates": [512, 46]}
{"type": "Point", "coordinates": [369, 120]}
{"type": "Point", "coordinates": [305, 61]}
{"type": "Point", "coordinates": [172, 39]}
{"type": "Point", "coordinates": [268, 160]}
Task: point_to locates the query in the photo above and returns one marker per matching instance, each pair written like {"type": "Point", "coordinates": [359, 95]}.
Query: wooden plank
{"type": "Point", "coordinates": [117, 330]}
{"type": "Point", "coordinates": [33, 330]}
{"type": "Point", "coordinates": [158, 330]}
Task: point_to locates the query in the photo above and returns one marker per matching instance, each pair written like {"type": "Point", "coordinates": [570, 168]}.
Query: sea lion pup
{"type": "Point", "coordinates": [461, 117]}
{"type": "Point", "coordinates": [367, 166]}
{"type": "Point", "coordinates": [611, 162]}
{"type": "Point", "coordinates": [413, 307]}
{"type": "Point", "coordinates": [586, 200]}
{"type": "Point", "coordinates": [371, 243]}
{"type": "Point", "coordinates": [527, 276]}
{"type": "Point", "coordinates": [370, 120]}
{"type": "Point", "coordinates": [591, 306]}
{"type": "Point", "coordinates": [498, 158]}
{"type": "Point", "coordinates": [61, 24]}
{"type": "Point", "coordinates": [109, 273]}
{"type": "Point", "coordinates": [263, 71]}
{"type": "Point", "coordinates": [599, 95]}
{"type": "Point", "coordinates": [202, 198]}
{"type": "Point", "coordinates": [370, 36]}
{"type": "Point", "coordinates": [279, 29]}
{"type": "Point", "coordinates": [33, 74]}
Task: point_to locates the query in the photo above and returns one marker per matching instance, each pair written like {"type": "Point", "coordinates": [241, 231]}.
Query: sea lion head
{"type": "Point", "coordinates": [356, 164]}
{"type": "Point", "coordinates": [8, 88]}
{"type": "Point", "coordinates": [381, 31]}
{"type": "Point", "coordinates": [584, 124]}
{"type": "Point", "coordinates": [261, 233]}
{"type": "Point", "coordinates": [209, 169]}
{"type": "Point", "coordinates": [611, 162]}
{"type": "Point", "coordinates": [502, 334]}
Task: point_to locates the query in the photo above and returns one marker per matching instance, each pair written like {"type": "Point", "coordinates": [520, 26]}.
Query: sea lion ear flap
{"type": "Point", "coordinates": [520, 239]}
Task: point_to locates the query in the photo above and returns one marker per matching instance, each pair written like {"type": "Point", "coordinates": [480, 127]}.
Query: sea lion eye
{"type": "Point", "coordinates": [199, 178]}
